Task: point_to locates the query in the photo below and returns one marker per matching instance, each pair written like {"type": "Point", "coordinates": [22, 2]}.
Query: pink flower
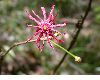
{"type": "Point", "coordinates": [45, 27]}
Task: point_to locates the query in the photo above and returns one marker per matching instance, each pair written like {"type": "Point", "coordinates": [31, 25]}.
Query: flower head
{"type": "Point", "coordinates": [45, 27]}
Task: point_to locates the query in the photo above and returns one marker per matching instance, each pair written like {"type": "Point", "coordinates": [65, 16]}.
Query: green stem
{"type": "Point", "coordinates": [63, 49]}
{"type": "Point", "coordinates": [78, 59]}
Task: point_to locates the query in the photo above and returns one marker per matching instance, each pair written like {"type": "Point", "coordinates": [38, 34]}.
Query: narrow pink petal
{"type": "Point", "coordinates": [58, 25]}
{"type": "Point", "coordinates": [38, 40]}
{"type": "Point", "coordinates": [42, 47]}
{"type": "Point", "coordinates": [30, 17]}
{"type": "Point", "coordinates": [53, 19]}
{"type": "Point", "coordinates": [30, 38]}
{"type": "Point", "coordinates": [49, 41]}
{"type": "Point", "coordinates": [44, 12]}
{"type": "Point", "coordinates": [51, 12]}
{"type": "Point", "coordinates": [37, 26]}
{"type": "Point", "coordinates": [60, 41]}
{"type": "Point", "coordinates": [37, 16]}
{"type": "Point", "coordinates": [36, 33]}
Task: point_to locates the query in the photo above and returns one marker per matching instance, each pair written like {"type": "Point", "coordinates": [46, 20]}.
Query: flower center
{"type": "Point", "coordinates": [45, 27]}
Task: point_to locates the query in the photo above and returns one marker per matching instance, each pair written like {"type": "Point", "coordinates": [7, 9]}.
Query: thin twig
{"type": "Point", "coordinates": [20, 43]}
{"type": "Point", "coordinates": [13, 46]}
{"type": "Point", "coordinates": [79, 25]}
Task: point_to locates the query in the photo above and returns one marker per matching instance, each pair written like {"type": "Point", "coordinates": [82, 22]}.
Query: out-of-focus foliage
{"type": "Point", "coordinates": [26, 59]}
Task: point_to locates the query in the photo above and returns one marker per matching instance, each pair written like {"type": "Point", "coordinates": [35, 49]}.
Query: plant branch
{"type": "Point", "coordinates": [79, 25]}
{"type": "Point", "coordinates": [13, 46]}
{"type": "Point", "coordinates": [20, 43]}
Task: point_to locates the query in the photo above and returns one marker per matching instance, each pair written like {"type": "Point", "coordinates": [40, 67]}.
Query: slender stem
{"type": "Point", "coordinates": [63, 49]}
{"type": "Point", "coordinates": [13, 46]}
{"type": "Point", "coordinates": [79, 25]}
{"type": "Point", "coordinates": [16, 44]}
{"type": "Point", "coordinates": [20, 43]}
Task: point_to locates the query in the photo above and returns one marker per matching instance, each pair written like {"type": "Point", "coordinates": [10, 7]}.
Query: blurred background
{"type": "Point", "coordinates": [27, 59]}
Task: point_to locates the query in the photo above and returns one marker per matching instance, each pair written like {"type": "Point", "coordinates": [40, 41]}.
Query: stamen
{"type": "Point", "coordinates": [45, 27]}
{"type": "Point", "coordinates": [57, 33]}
